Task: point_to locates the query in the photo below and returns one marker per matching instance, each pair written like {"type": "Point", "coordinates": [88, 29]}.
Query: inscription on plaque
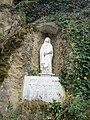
{"type": "Point", "coordinates": [42, 87]}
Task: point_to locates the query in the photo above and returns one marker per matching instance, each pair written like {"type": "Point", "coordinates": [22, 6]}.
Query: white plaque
{"type": "Point", "coordinates": [46, 88]}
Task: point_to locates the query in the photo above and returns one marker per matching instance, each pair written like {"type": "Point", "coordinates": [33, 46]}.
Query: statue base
{"type": "Point", "coordinates": [45, 88]}
{"type": "Point", "coordinates": [46, 74]}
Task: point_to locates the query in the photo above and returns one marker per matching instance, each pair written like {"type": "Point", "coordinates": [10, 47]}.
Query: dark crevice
{"type": "Point", "coordinates": [15, 2]}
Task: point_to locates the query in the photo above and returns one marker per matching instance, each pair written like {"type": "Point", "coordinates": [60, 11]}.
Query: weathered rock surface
{"type": "Point", "coordinates": [7, 2]}
{"type": "Point", "coordinates": [25, 60]}
{"type": "Point", "coordinates": [7, 19]}
{"type": "Point", "coordinates": [49, 28]}
{"type": "Point", "coordinates": [12, 85]}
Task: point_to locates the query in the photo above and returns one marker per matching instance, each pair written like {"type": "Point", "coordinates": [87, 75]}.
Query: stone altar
{"type": "Point", "coordinates": [46, 88]}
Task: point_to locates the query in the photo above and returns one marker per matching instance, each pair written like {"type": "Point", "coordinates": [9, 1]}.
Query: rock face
{"type": "Point", "coordinates": [25, 61]}
{"type": "Point", "coordinates": [12, 85]}
{"type": "Point", "coordinates": [7, 20]}
{"type": "Point", "coordinates": [7, 2]}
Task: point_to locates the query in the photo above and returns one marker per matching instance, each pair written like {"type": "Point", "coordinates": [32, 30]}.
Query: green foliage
{"type": "Point", "coordinates": [77, 108]}
{"type": "Point", "coordinates": [75, 75]}
{"type": "Point", "coordinates": [74, 108]}
{"type": "Point", "coordinates": [34, 70]}
{"type": "Point", "coordinates": [79, 43]}
{"type": "Point", "coordinates": [76, 72]}
{"type": "Point", "coordinates": [31, 10]}
{"type": "Point", "coordinates": [10, 113]}
{"type": "Point", "coordinates": [54, 109]}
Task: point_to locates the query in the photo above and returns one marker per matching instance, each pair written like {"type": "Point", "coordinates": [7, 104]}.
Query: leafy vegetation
{"type": "Point", "coordinates": [75, 75]}
{"type": "Point", "coordinates": [76, 72]}
{"type": "Point", "coordinates": [72, 109]}
{"type": "Point", "coordinates": [10, 113]}
{"type": "Point", "coordinates": [31, 10]}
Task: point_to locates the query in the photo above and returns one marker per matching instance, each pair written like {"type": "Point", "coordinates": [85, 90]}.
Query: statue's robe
{"type": "Point", "coordinates": [46, 54]}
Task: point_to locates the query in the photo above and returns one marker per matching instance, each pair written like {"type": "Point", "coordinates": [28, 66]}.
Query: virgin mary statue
{"type": "Point", "coordinates": [46, 54]}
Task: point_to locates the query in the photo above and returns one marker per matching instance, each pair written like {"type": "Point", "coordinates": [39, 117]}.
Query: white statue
{"type": "Point", "coordinates": [46, 54]}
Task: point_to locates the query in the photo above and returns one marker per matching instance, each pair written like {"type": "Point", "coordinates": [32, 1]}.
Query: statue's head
{"type": "Point", "coordinates": [47, 40]}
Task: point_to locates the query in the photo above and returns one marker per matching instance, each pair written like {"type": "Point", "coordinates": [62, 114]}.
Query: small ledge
{"type": "Point", "coordinates": [50, 28]}
{"type": "Point", "coordinates": [47, 74]}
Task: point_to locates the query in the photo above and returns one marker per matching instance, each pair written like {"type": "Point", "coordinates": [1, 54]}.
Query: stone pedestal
{"type": "Point", "coordinates": [46, 88]}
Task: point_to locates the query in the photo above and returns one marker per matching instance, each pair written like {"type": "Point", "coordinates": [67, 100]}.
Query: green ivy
{"type": "Point", "coordinates": [32, 10]}
{"type": "Point", "coordinates": [75, 75]}
{"type": "Point", "coordinates": [76, 32]}
{"type": "Point", "coordinates": [80, 37]}
{"type": "Point", "coordinates": [74, 108]}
